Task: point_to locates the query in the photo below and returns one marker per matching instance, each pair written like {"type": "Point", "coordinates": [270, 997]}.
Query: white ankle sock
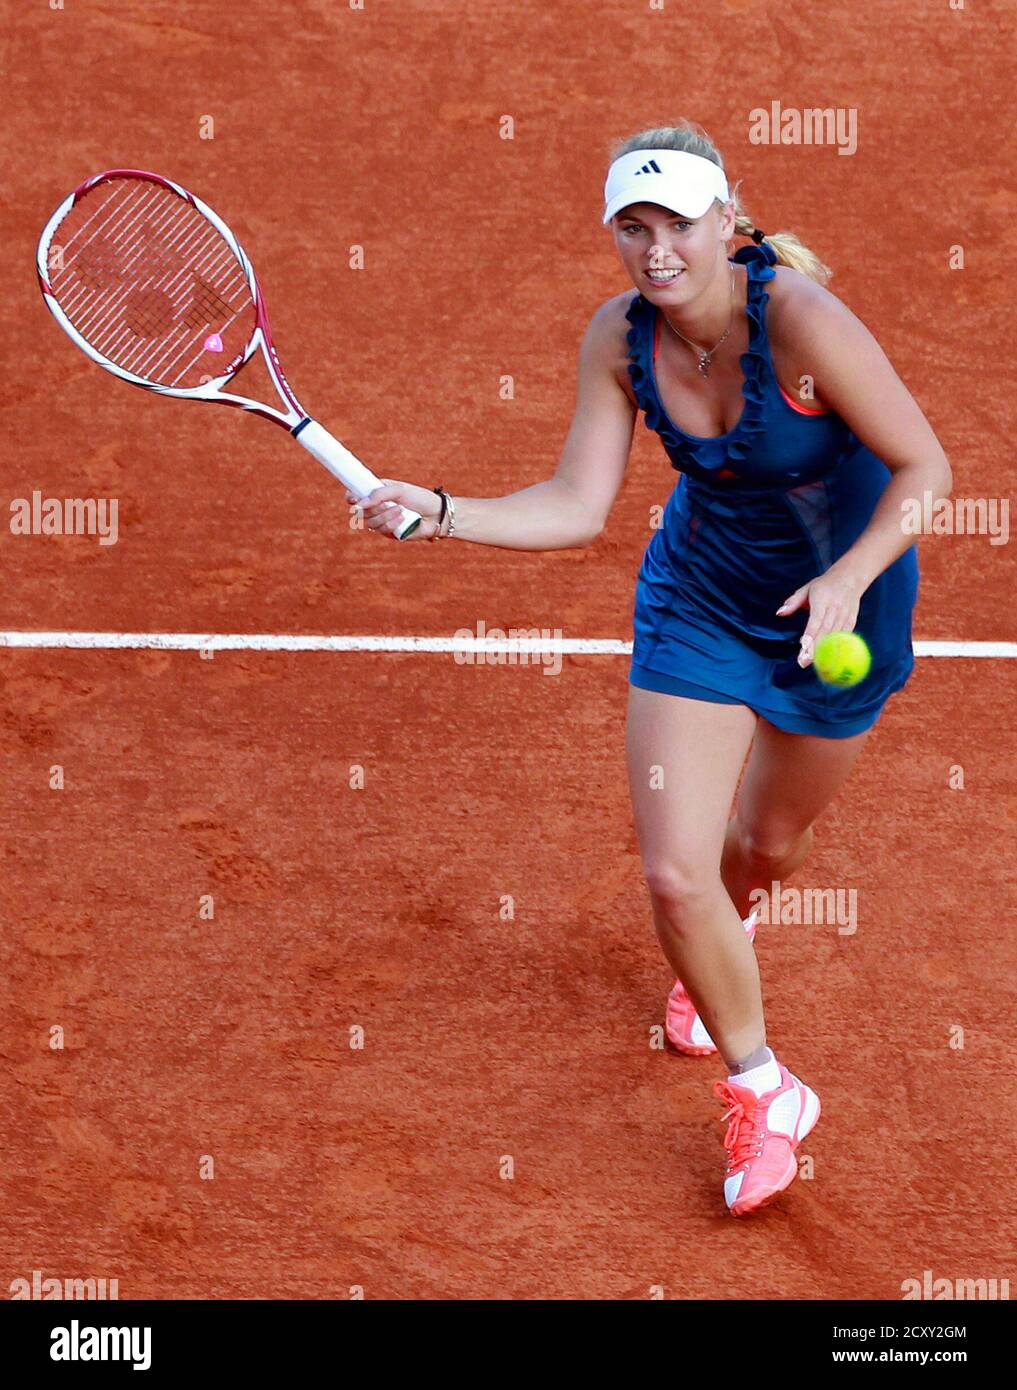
{"type": "Point", "coordinates": [761, 1079]}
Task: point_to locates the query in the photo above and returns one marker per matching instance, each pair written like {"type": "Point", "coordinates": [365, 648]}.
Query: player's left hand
{"type": "Point", "coordinates": [832, 600]}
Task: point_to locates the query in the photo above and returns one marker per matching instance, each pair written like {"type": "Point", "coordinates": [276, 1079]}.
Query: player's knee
{"type": "Point", "coordinates": [768, 846]}
{"type": "Point", "coordinates": [677, 888]}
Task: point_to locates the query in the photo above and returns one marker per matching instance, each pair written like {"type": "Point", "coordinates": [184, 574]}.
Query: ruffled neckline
{"type": "Point", "coordinates": [691, 452]}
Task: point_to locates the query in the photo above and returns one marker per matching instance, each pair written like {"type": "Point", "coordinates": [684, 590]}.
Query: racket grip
{"type": "Point", "coordinates": [346, 467]}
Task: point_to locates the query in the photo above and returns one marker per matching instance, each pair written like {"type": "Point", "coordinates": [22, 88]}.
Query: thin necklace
{"type": "Point", "coordinates": [706, 358]}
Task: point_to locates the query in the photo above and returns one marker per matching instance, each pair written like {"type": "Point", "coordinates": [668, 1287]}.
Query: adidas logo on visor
{"type": "Point", "coordinates": [652, 168]}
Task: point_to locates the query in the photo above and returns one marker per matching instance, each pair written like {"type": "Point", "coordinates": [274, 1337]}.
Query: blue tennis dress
{"type": "Point", "coordinates": [756, 513]}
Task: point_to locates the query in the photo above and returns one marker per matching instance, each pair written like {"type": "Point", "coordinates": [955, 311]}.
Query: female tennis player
{"type": "Point", "coordinates": [797, 446]}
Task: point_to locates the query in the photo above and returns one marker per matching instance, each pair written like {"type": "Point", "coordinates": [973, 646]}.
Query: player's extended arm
{"type": "Point", "coordinates": [567, 510]}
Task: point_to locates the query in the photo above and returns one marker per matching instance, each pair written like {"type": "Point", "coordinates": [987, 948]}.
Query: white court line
{"type": "Point", "coordinates": [283, 642]}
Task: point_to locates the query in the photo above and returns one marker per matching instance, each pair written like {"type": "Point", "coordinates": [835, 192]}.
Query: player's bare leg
{"type": "Point", "coordinates": [684, 758]}
{"type": "Point", "coordinates": [789, 780]}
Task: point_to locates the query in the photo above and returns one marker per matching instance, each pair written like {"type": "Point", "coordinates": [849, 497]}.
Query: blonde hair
{"type": "Point", "coordinates": [693, 139]}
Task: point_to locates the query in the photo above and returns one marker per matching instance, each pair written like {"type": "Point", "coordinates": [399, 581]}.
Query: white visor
{"type": "Point", "coordinates": [685, 183]}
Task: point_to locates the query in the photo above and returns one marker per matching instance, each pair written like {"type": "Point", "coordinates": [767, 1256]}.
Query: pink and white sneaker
{"type": "Point", "coordinates": [683, 1026]}
{"type": "Point", "coordinates": [761, 1139]}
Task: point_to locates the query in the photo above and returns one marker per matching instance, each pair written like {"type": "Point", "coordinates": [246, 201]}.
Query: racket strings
{"type": "Point", "coordinates": [151, 284]}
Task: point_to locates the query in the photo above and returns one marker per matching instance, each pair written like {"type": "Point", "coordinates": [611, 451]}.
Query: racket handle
{"type": "Point", "coordinates": [346, 467]}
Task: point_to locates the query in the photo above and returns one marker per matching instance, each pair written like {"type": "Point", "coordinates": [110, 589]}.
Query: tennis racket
{"type": "Point", "coordinates": [153, 286]}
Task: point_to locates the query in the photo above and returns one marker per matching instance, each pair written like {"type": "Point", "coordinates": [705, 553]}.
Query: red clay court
{"type": "Point", "coordinates": [487, 1034]}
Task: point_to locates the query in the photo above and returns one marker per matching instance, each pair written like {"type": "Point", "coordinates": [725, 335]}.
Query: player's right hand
{"type": "Point", "coordinates": [383, 512]}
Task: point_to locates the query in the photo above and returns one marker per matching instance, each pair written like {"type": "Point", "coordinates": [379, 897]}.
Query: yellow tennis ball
{"type": "Point", "coordinates": [842, 658]}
